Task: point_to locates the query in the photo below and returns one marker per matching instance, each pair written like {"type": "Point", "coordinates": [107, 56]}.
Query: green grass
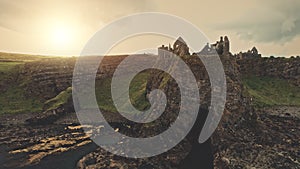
{"type": "Point", "coordinates": [268, 91]}
{"type": "Point", "coordinates": [137, 92]}
{"type": "Point", "coordinates": [265, 91]}
{"type": "Point", "coordinates": [13, 97]}
{"type": "Point", "coordinates": [8, 67]}
{"type": "Point", "coordinates": [14, 100]}
{"type": "Point", "coordinates": [61, 99]}
{"type": "Point", "coordinates": [20, 57]}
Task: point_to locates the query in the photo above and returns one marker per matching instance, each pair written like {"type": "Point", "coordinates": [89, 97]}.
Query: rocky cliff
{"type": "Point", "coordinates": [243, 134]}
{"type": "Point", "coordinates": [283, 68]}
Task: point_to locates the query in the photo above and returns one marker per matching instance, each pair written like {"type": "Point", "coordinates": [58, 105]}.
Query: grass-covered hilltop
{"type": "Point", "coordinates": [271, 91]}
{"type": "Point", "coordinates": [35, 83]}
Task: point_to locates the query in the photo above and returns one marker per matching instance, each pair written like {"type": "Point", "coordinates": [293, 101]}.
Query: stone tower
{"type": "Point", "coordinates": [180, 47]}
{"type": "Point", "coordinates": [226, 47]}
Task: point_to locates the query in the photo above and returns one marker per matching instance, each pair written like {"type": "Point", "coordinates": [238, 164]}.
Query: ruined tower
{"type": "Point", "coordinates": [222, 46]}
{"type": "Point", "coordinates": [226, 45]}
{"type": "Point", "coordinates": [180, 48]}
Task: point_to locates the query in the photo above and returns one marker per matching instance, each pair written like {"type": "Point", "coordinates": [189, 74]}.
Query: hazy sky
{"type": "Point", "coordinates": [62, 28]}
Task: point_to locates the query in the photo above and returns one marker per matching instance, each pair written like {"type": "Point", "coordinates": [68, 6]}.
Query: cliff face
{"type": "Point", "coordinates": [47, 78]}
{"type": "Point", "coordinates": [282, 68]}
{"type": "Point", "coordinates": [238, 113]}
{"type": "Point", "coordinates": [244, 134]}
{"type": "Point", "coordinates": [249, 137]}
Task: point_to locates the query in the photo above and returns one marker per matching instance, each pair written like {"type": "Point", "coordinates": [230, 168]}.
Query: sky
{"type": "Point", "coordinates": [52, 27]}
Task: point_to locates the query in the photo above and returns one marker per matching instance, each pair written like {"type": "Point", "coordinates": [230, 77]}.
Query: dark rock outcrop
{"type": "Point", "coordinates": [282, 68]}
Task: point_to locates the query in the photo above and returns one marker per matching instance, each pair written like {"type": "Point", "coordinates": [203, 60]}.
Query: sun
{"type": "Point", "coordinates": [62, 35]}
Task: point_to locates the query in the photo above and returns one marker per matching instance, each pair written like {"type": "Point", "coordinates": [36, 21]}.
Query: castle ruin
{"type": "Point", "coordinates": [180, 48]}
{"type": "Point", "coordinates": [253, 53]}
{"type": "Point", "coordinates": [222, 47]}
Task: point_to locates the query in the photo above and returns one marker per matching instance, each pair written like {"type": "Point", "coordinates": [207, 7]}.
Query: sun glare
{"type": "Point", "coordinates": [62, 36]}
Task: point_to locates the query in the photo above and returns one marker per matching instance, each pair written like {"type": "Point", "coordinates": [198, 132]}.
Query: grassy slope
{"type": "Point", "coordinates": [13, 97]}
{"type": "Point", "coordinates": [267, 91]}
{"type": "Point", "coordinates": [15, 101]}
{"type": "Point", "coordinates": [137, 91]}
{"type": "Point", "coordinates": [7, 67]}
{"type": "Point", "coordinates": [20, 57]}
{"type": "Point", "coordinates": [58, 100]}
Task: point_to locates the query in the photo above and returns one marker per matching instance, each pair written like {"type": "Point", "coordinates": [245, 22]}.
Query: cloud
{"type": "Point", "coordinates": [25, 16]}
{"type": "Point", "coordinates": [272, 21]}
{"type": "Point", "coordinates": [14, 16]}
